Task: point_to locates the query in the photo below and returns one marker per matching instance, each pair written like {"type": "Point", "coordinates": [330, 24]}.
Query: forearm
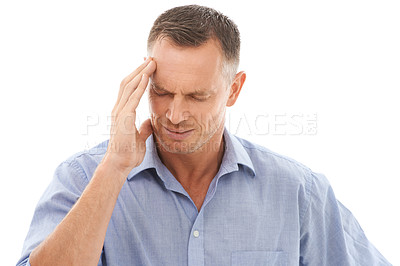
{"type": "Point", "coordinates": [78, 239]}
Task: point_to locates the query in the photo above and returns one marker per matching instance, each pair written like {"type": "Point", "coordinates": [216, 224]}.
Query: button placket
{"type": "Point", "coordinates": [196, 242]}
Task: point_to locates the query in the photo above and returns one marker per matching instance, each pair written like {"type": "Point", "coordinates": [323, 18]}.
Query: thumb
{"type": "Point", "coordinates": [145, 130]}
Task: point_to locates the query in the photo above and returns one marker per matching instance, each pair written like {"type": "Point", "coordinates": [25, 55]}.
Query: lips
{"type": "Point", "coordinates": [178, 134]}
{"type": "Point", "coordinates": [176, 131]}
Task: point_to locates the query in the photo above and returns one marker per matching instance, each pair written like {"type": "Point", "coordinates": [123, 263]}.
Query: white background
{"type": "Point", "coordinates": [62, 63]}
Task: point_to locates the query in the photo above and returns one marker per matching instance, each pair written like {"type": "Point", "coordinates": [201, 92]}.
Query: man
{"type": "Point", "coordinates": [182, 190]}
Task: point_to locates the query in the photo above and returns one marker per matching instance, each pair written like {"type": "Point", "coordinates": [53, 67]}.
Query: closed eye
{"type": "Point", "coordinates": [194, 96]}
{"type": "Point", "coordinates": [160, 94]}
{"type": "Point", "coordinates": [199, 98]}
{"type": "Point", "coordinates": [157, 92]}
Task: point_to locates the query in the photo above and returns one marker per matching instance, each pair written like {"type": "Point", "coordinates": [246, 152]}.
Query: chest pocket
{"type": "Point", "coordinates": [259, 258]}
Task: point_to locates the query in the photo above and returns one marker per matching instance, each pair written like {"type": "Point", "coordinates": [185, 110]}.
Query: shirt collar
{"type": "Point", "coordinates": [235, 155]}
{"type": "Point", "coordinates": [150, 160]}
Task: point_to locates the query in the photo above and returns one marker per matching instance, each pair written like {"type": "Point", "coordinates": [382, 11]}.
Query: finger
{"type": "Point", "coordinates": [134, 99]}
{"type": "Point", "coordinates": [148, 70]}
{"type": "Point", "coordinates": [128, 78]}
{"type": "Point", "coordinates": [145, 130]}
{"type": "Point", "coordinates": [134, 83]}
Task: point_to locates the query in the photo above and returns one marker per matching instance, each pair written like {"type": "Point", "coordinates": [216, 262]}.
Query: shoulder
{"type": "Point", "coordinates": [268, 161]}
{"type": "Point", "coordinates": [94, 154]}
{"type": "Point", "coordinates": [85, 162]}
{"type": "Point", "coordinates": [284, 174]}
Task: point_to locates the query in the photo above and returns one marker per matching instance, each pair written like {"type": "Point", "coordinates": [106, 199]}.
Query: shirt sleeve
{"type": "Point", "coordinates": [67, 185]}
{"type": "Point", "coordinates": [330, 234]}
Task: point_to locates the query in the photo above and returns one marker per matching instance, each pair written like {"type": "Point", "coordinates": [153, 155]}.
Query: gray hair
{"type": "Point", "coordinates": [192, 26]}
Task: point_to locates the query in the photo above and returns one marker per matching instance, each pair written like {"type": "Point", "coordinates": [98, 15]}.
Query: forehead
{"type": "Point", "coordinates": [187, 66]}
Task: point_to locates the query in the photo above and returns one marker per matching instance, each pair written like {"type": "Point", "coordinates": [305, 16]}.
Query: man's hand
{"type": "Point", "coordinates": [78, 239]}
{"type": "Point", "coordinates": [127, 146]}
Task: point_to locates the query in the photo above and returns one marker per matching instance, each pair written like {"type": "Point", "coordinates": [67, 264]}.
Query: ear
{"type": "Point", "coordinates": [236, 87]}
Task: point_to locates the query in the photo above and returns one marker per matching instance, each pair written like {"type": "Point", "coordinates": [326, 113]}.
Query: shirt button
{"type": "Point", "coordinates": [196, 233]}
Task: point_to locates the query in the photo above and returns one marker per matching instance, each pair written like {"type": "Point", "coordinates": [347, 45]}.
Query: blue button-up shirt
{"type": "Point", "coordinates": [260, 209]}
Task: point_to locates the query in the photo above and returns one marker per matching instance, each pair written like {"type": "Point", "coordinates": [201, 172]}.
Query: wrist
{"type": "Point", "coordinates": [110, 167]}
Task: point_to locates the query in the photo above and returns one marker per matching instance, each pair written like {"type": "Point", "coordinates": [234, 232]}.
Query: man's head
{"type": "Point", "coordinates": [193, 26]}
{"type": "Point", "coordinates": [195, 79]}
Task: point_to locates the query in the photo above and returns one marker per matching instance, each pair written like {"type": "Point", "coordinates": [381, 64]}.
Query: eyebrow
{"type": "Point", "coordinates": [198, 92]}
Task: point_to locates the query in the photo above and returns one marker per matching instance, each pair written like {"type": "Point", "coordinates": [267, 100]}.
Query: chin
{"type": "Point", "coordinates": [178, 147]}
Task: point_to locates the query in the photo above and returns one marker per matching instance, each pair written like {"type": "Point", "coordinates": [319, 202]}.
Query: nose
{"type": "Point", "coordinates": [177, 111]}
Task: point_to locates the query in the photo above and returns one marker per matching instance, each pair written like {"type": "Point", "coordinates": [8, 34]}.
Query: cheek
{"type": "Point", "coordinates": [208, 114]}
{"type": "Point", "coordinates": [218, 105]}
{"type": "Point", "coordinates": [155, 105]}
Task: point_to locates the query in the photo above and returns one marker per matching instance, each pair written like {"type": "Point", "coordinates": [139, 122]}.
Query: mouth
{"type": "Point", "coordinates": [178, 134]}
